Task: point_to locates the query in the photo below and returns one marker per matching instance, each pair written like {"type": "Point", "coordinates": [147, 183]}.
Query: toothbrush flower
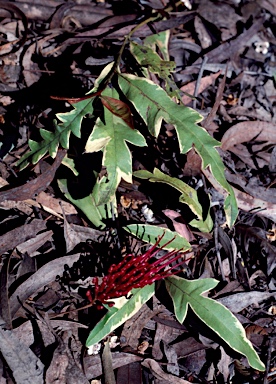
{"type": "Point", "coordinates": [135, 272]}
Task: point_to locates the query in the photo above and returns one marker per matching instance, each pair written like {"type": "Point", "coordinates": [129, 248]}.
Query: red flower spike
{"type": "Point", "coordinates": [136, 272]}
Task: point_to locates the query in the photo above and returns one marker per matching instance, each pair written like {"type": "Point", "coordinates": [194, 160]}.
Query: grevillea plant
{"type": "Point", "coordinates": [113, 128]}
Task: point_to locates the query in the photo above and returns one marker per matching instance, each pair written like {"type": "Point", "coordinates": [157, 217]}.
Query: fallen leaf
{"type": "Point", "coordinates": [38, 280]}
{"type": "Point", "coordinates": [56, 372]}
{"type": "Point", "coordinates": [245, 201]}
{"type": "Point", "coordinates": [93, 366]}
{"type": "Point", "coordinates": [108, 371]}
{"type": "Point", "coordinates": [133, 327]}
{"type": "Point", "coordinates": [75, 234]}
{"type": "Point", "coordinates": [203, 35]}
{"type": "Point", "coordinates": [35, 186]}
{"type": "Point", "coordinates": [179, 227]}
{"type": "Point", "coordinates": [252, 187]}
{"type": "Point", "coordinates": [25, 365]}
{"type": "Point", "coordinates": [224, 364]}
{"type": "Point", "coordinates": [18, 235]}
{"type": "Point", "coordinates": [160, 374]}
{"type": "Point", "coordinates": [204, 83]}
{"type": "Point", "coordinates": [247, 131]}
{"type": "Point", "coordinates": [248, 203]}
{"type": "Point", "coordinates": [31, 245]}
{"type": "Point", "coordinates": [172, 359]}
{"type": "Point", "coordinates": [130, 373]}
{"type": "Point", "coordinates": [239, 301]}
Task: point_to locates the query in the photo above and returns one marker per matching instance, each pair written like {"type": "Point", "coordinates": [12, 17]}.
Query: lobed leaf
{"type": "Point", "coordinates": [111, 136]}
{"type": "Point", "coordinates": [215, 315]}
{"type": "Point", "coordinates": [70, 122]}
{"type": "Point", "coordinates": [154, 106]}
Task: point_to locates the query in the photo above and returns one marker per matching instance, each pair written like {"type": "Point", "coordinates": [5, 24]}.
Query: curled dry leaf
{"type": "Point", "coordinates": [247, 131]}
{"type": "Point", "coordinates": [31, 71]}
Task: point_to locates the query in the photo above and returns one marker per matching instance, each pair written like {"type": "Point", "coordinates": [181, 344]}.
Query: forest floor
{"type": "Point", "coordinates": [222, 61]}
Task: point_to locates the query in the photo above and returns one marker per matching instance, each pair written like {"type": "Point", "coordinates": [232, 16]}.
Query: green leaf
{"type": "Point", "coordinates": [217, 317]}
{"type": "Point", "coordinates": [188, 196]}
{"type": "Point", "coordinates": [148, 58]}
{"type": "Point", "coordinates": [69, 163]}
{"type": "Point", "coordinates": [70, 122]}
{"type": "Point", "coordinates": [154, 106]}
{"type": "Point", "coordinates": [150, 233]}
{"type": "Point", "coordinates": [86, 205]}
{"type": "Point", "coordinates": [111, 137]}
{"type": "Point", "coordinates": [160, 40]}
{"type": "Point", "coordinates": [123, 310]}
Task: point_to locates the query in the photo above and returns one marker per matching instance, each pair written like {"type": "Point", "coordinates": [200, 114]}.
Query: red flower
{"type": "Point", "coordinates": [135, 272]}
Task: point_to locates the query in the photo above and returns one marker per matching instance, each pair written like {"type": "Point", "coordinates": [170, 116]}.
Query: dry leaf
{"type": "Point", "coordinates": [224, 363]}
{"type": "Point", "coordinates": [24, 364]}
{"type": "Point", "coordinates": [133, 327]}
{"type": "Point", "coordinates": [171, 356]}
{"type": "Point", "coordinates": [239, 301]}
{"type": "Point", "coordinates": [38, 280]}
{"type": "Point", "coordinates": [31, 245]}
{"type": "Point", "coordinates": [93, 366]}
{"type": "Point", "coordinates": [52, 205]}
{"type": "Point", "coordinates": [179, 227]}
{"type": "Point", "coordinates": [205, 82]}
{"type": "Point", "coordinates": [160, 374]}
{"type": "Point", "coordinates": [203, 35]}
{"type": "Point", "coordinates": [35, 186]}
{"type": "Point", "coordinates": [255, 132]}
{"type": "Point", "coordinates": [18, 235]}
{"type": "Point", "coordinates": [75, 234]}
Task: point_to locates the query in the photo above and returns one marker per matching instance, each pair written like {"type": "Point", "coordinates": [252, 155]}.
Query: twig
{"type": "Point", "coordinates": [218, 250]}
{"type": "Point", "coordinates": [204, 61]}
